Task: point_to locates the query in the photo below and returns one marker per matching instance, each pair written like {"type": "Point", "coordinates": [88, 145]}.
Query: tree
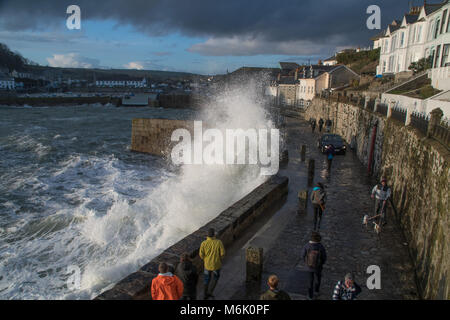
{"type": "Point", "coordinates": [421, 65]}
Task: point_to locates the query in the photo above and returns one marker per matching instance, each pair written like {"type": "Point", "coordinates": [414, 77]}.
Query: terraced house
{"type": "Point", "coordinates": [424, 32]}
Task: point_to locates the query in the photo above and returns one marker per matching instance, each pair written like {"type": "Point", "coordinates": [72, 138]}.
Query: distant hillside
{"type": "Point", "coordinates": [364, 62]}
{"type": "Point", "coordinates": [90, 74]}
{"type": "Point", "coordinates": [15, 61]}
{"type": "Point", "coordinates": [12, 60]}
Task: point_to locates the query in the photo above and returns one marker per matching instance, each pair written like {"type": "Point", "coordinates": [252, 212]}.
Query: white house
{"type": "Point", "coordinates": [300, 88]}
{"type": "Point", "coordinates": [122, 83]}
{"type": "Point", "coordinates": [6, 83]}
{"type": "Point", "coordinates": [422, 33]}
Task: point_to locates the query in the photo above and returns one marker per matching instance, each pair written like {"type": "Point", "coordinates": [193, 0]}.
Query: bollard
{"type": "Point", "coordinates": [302, 201]}
{"type": "Point", "coordinates": [254, 264]}
{"type": "Point", "coordinates": [284, 157]}
{"type": "Point", "coordinates": [303, 153]}
{"type": "Point", "coordinates": [310, 172]}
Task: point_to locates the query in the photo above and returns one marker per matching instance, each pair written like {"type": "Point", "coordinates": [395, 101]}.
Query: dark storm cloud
{"type": "Point", "coordinates": [269, 22]}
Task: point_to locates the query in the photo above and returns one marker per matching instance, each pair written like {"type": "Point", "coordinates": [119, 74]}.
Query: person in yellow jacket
{"type": "Point", "coordinates": [211, 252]}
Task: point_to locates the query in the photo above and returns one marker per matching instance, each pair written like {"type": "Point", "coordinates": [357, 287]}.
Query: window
{"type": "Point", "coordinates": [419, 34]}
{"type": "Point", "coordinates": [444, 19]}
{"type": "Point", "coordinates": [445, 53]}
{"type": "Point", "coordinates": [438, 53]}
{"type": "Point", "coordinates": [436, 28]}
{"type": "Point", "coordinates": [402, 39]}
{"type": "Point", "coordinates": [448, 22]}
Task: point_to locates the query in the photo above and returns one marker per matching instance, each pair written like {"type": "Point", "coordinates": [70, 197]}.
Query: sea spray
{"type": "Point", "coordinates": [99, 207]}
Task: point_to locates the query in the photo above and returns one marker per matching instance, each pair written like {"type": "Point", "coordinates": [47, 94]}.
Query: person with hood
{"type": "Point", "coordinates": [273, 293]}
{"type": "Point", "coordinates": [166, 286]}
{"type": "Point", "coordinates": [211, 252]}
{"type": "Point", "coordinates": [320, 124]}
{"type": "Point", "coordinates": [187, 273]}
{"type": "Point", "coordinates": [315, 256]}
{"type": "Point", "coordinates": [381, 192]}
{"type": "Point", "coordinates": [318, 199]}
{"type": "Point", "coordinates": [347, 289]}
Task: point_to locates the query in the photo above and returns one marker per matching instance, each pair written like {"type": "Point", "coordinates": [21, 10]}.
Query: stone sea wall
{"type": "Point", "coordinates": [229, 225]}
{"type": "Point", "coordinates": [153, 135]}
{"type": "Point", "coordinates": [417, 170]}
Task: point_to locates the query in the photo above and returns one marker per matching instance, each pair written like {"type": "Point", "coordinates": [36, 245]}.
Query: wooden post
{"type": "Point", "coordinates": [303, 153]}
{"type": "Point", "coordinates": [254, 264]}
{"type": "Point", "coordinates": [302, 201]}
{"type": "Point", "coordinates": [311, 168]}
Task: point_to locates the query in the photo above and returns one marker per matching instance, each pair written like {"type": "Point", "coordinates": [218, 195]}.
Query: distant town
{"type": "Point", "coordinates": [407, 67]}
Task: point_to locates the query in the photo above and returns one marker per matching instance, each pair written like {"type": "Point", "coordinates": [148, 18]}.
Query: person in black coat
{"type": "Point", "coordinates": [321, 122]}
{"type": "Point", "coordinates": [187, 272]}
{"type": "Point", "coordinates": [315, 256]}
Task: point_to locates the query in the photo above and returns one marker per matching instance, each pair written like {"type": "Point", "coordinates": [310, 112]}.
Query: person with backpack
{"type": "Point", "coordinates": [315, 256]}
{"type": "Point", "coordinates": [273, 293]}
{"type": "Point", "coordinates": [381, 192]}
{"type": "Point", "coordinates": [187, 273]}
{"type": "Point", "coordinates": [318, 199]}
{"type": "Point", "coordinates": [330, 151]}
{"type": "Point", "coordinates": [347, 289]}
{"type": "Point", "coordinates": [166, 286]}
{"type": "Point", "coordinates": [320, 124]}
{"type": "Point", "coordinates": [211, 252]}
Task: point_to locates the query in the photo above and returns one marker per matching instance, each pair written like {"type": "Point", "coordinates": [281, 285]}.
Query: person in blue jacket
{"type": "Point", "coordinates": [330, 151]}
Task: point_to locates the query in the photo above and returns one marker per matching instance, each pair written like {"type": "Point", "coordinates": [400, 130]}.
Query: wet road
{"type": "Point", "coordinates": [350, 247]}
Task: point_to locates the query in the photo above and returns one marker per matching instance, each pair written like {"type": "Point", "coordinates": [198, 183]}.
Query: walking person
{"type": "Point", "coordinates": [347, 289]}
{"type": "Point", "coordinates": [274, 293]}
{"type": "Point", "coordinates": [187, 273]}
{"type": "Point", "coordinates": [315, 256]}
{"type": "Point", "coordinates": [330, 152]}
{"type": "Point", "coordinates": [328, 124]}
{"type": "Point", "coordinates": [166, 286]}
{"type": "Point", "coordinates": [320, 124]}
{"type": "Point", "coordinates": [381, 192]}
{"type": "Point", "coordinates": [211, 252]}
{"type": "Point", "coordinates": [318, 199]}
{"type": "Point", "coordinates": [313, 125]}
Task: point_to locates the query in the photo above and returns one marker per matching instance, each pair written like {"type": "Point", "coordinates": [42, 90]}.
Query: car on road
{"type": "Point", "coordinates": [332, 139]}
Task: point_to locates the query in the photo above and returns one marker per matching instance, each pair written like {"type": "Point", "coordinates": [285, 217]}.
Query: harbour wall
{"type": "Point", "coordinates": [416, 167]}
{"type": "Point", "coordinates": [229, 225]}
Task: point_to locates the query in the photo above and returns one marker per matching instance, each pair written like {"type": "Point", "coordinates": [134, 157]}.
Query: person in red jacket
{"type": "Point", "coordinates": [166, 286]}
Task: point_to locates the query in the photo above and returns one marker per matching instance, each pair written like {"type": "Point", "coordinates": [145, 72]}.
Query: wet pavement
{"type": "Point", "coordinates": [350, 246]}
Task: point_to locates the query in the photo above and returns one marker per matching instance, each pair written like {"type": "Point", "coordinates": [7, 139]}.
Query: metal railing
{"type": "Point", "coordinates": [382, 109]}
{"type": "Point", "coordinates": [420, 121]}
{"type": "Point", "coordinates": [398, 114]}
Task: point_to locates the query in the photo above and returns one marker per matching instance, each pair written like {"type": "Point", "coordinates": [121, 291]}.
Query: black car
{"type": "Point", "coordinates": [332, 139]}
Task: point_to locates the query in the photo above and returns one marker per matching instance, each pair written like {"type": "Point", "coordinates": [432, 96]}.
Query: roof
{"type": "Point", "coordinates": [287, 80]}
{"type": "Point", "coordinates": [5, 77]}
{"type": "Point", "coordinates": [411, 18]}
{"type": "Point", "coordinates": [289, 65]}
{"type": "Point", "coordinates": [430, 7]}
{"type": "Point", "coordinates": [331, 58]}
{"type": "Point", "coordinates": [378, 36]}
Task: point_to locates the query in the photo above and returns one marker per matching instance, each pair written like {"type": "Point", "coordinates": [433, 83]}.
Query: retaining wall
{"type": "Point", "coordinates": [417, 170]}
{"type": "Point", "coordinates": [229, 225]}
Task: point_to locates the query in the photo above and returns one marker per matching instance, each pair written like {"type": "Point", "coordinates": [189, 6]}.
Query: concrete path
{"type": "Point", "coordinates": [350, 247]}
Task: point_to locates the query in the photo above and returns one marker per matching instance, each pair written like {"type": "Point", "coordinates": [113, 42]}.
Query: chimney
{"type": "Point", "coordinates": [279, 76]}
{"type": "Point", "coordinates": [296, 74]}
{"type": "Point", "coordinates": [320, 62]}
